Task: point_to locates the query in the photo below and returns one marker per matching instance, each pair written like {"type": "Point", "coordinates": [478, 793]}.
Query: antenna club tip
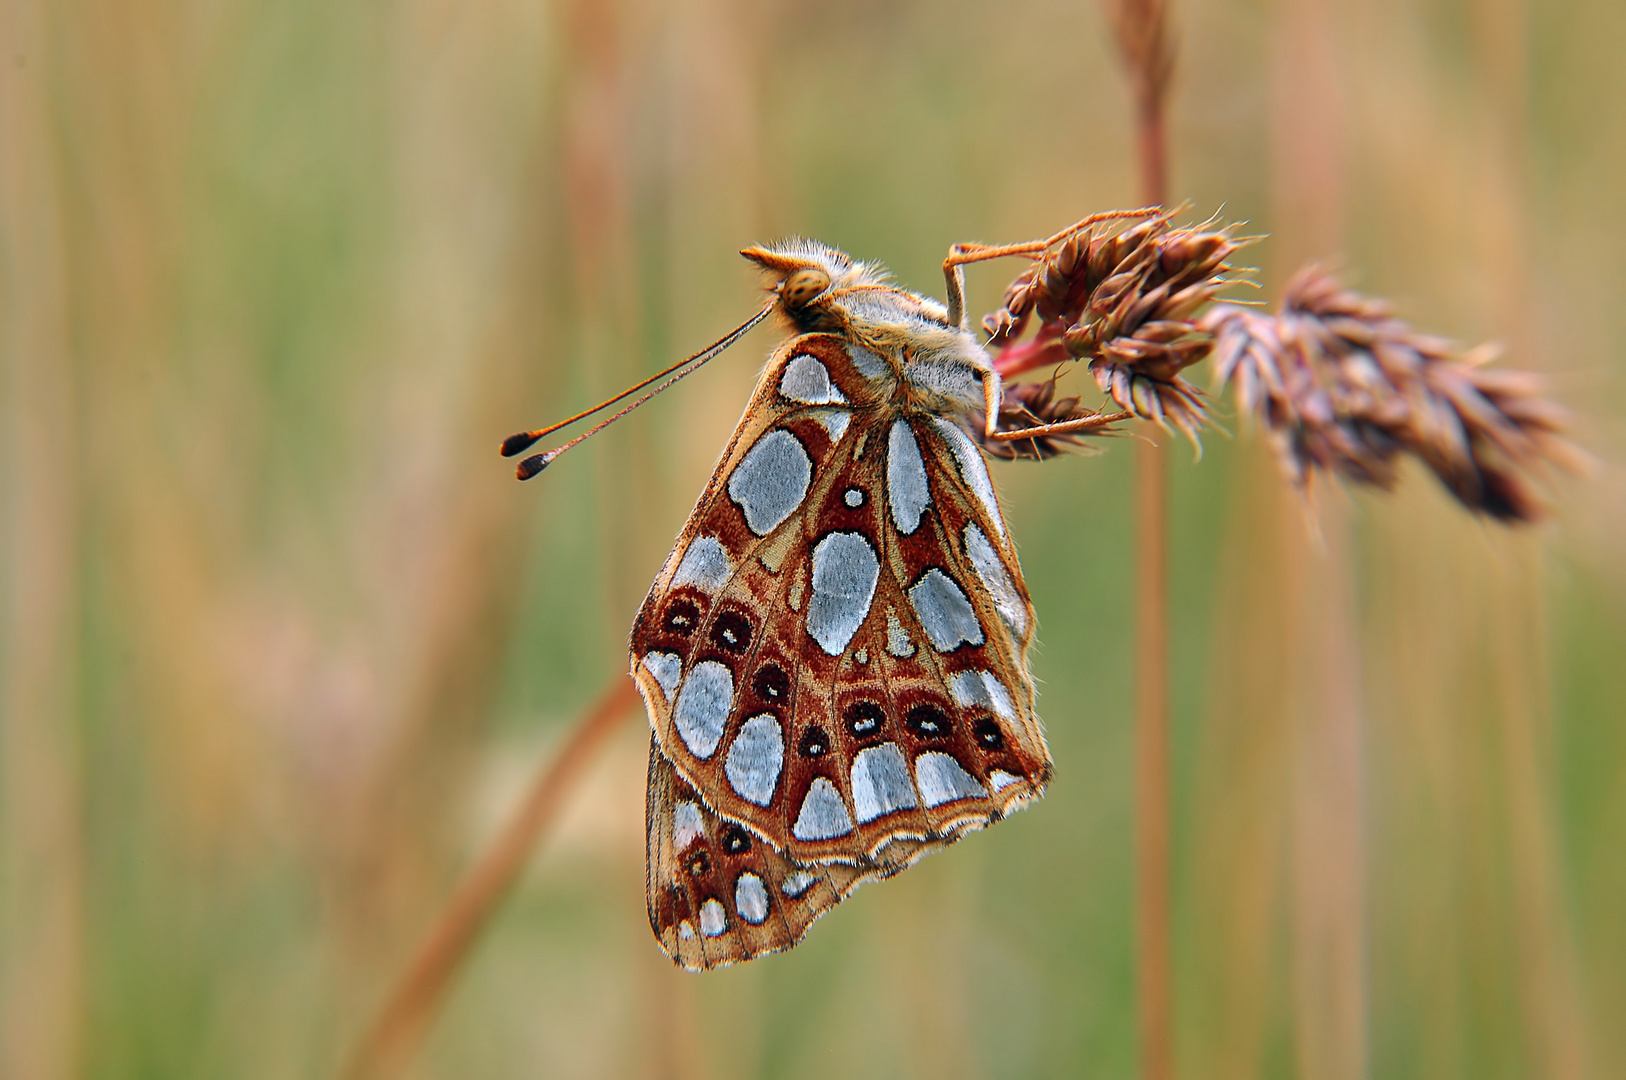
{"type": "Point", "coordinates": [532, 465]}
{"type": "Point", "coordinates": [515, 444]}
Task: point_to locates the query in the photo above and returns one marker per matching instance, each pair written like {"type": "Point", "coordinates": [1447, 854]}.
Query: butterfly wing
{"type": "Point", "coordinates": [835, 654]}
{"type": "Point", "coordinates": [718, 895]}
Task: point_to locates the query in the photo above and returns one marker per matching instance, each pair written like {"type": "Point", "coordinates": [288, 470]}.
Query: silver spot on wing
{"type": "Point", "coordinates": [897, 638]}
{"type": "Point", "coordinates": [835, 421]}
{"type": "Point", "coordinates": [703, 705]}
{"type": "Point", "coordinates": [755, 758]}
{"type": "Point", "coordinates": [771, 480]}
{"type": "Point", "coordinates": [945, 613]}
{"type": "Point", "coordinates": [705, 565]}
{"type": "Point", "coordinates": [713, 920]}
{"type": "Point", "coordinates": [667, 667]}
{"type": "Point", "coordinates": [686, 825]}
{"type": "Point", "coordinates": [845, 570]}
{"type": "Point", "coordinates": [982, 688]}
{"type": "Point", "coordinates": [751, 899]}
{"type": "Point", "coordinates": [985, 560]}
{"type": "Point", "coordinates": [943, 781]}
{"type": "Point", "coordinates": [906, 490]}
{"type": "Point", "coordinates": [881, 782]}
{"type": "Point", "coordinates": [973, 469]}
{"type": "Point", "coordinates": [797, 883]}
{"type": "Point", "coordinates": [999, 779]}
{"type": "Point", "coordinates": [823, 815]}
{"type": "Point", "coordinates": [808, 381]}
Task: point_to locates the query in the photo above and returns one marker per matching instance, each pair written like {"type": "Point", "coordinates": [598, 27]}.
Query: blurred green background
{"type": "Point", "coordinates": [283, 640]}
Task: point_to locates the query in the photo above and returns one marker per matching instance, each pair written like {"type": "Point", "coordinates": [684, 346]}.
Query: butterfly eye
{"type": "Point", "coordinates": [927, 721]}
{"type": "Point", "coordinates": [803, 286]}
{"type": "Point", "coordinates": [731, 631]}
{"type": "Point", "coordinates": [815, 743]}
{"type": "Point", "coordinates": [987, 734]}
{"type": "Point", "coordinates": [864, 719]}
{"type": "Point", "coordinates": [736, 840]}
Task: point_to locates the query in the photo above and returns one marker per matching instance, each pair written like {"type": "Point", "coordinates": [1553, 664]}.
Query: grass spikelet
{"type": "Point", "coordinates": [1344, 387]}
{"type": "Point", "coordinates": [1122, 299]}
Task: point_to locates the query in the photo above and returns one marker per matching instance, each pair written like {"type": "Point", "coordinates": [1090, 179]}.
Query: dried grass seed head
{"type": "Point", "coordinates": [1122, 298]}
{"type": "Point", "coordinates": [1343, 386]}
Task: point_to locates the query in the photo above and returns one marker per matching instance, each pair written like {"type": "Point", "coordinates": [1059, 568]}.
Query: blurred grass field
{"type": "Point", "coordinates": [283, 638]}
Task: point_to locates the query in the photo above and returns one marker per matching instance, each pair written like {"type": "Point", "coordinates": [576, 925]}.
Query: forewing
{"type": "Point", "coordinates": [834, 655]}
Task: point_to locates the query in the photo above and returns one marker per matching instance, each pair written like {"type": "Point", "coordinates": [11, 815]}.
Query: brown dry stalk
{"type": "Point", "coordinates": [1342, 386]}
{"type": "Point", "coordinates": [394, 1035]}
{"type": "Point", "coordinates": [1143, 38]}
{"type": "Point", "coordinates": [1141, 27]}
{"type": "Point", "coordinates": [1142, 30]}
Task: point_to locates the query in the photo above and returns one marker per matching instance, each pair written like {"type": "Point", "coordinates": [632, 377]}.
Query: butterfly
{"type": "Point", "coordinates": [834, 655]}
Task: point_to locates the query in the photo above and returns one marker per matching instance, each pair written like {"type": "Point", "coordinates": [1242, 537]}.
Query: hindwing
{"type": "Point", "coordinates": [719, 895]}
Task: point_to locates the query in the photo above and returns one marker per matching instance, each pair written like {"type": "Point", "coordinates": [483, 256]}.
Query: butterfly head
{"type": "Point", "coordinates": [811, 279]}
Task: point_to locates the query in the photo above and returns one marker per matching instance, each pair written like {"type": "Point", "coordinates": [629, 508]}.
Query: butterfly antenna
{"type": "Point", "coordinates": [524, 440]}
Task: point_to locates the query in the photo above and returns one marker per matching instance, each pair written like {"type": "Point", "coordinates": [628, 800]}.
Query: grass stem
{"type": "Point", "coordinates": [394, 1035]}
{"type": "Point", "coordinates": [1142, 32]}
{"type": "Point", "coordinates": [1152, 795]}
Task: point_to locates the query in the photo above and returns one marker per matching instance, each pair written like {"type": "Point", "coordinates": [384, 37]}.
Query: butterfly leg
{"type": "Point", "coordinates": [993, 396]}
{"type": "Point", "coordinates": [962, 255]}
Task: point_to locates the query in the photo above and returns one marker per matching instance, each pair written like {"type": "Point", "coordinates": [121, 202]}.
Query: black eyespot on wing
{"type": "Point", "coordinates": [815, 743]}
{"type": "Point", "coordinates": [731, 631]}
{"type": "Point", "coordinates": [682, 616]}
{"type": "Point", "coordinates": [736, 841]}
{"type": "Point", "coordinates": [863, 719]}
{"type": "Point", "coordinates": [772, 684]}
{"type": "Point", "coordinates": [698, 863]}
{"type": "Point", "coordinates": [927, 721]}
{"type": "Point", "coordinates": [987, 733]}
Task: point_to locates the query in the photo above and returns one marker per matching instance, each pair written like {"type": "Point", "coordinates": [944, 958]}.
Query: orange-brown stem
{"type": "Point", "coordinates": [1154, 952]}
{"type": "Point", "coordinates": [388, 1046]}
{"type": "Point", "coordinates": [1152, 796]}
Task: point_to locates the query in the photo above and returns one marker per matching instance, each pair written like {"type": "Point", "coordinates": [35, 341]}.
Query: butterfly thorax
{"type": "Point", "coordinates": [931, 365]}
